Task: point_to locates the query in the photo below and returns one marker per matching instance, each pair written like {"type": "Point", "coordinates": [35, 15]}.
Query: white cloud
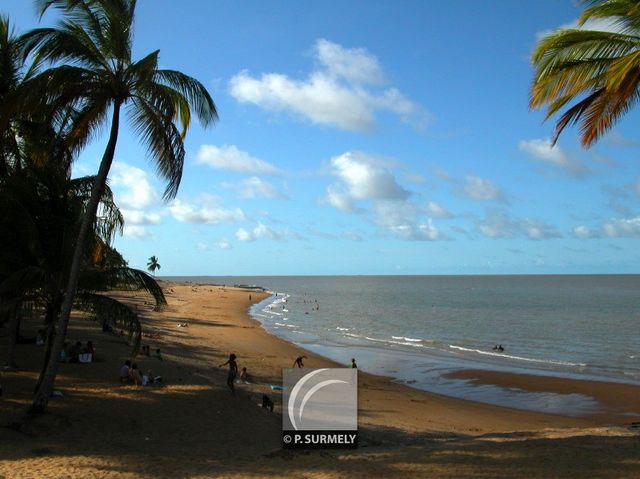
{"type": "Point", "coordinates": [137, 232]}
{"type": "Point", "coordinates": [260, 231]}
{"type": "Point", "coordinates": [208, 211]}
{"type": "Point", "coordinates": [542, 150]}
{"type": "Point", "coordinates": [138, 217]}
{"type": "Point", "coordinates": [437, 211]}
{"type": "Point", "coordinates": [403, 220]}
{"type": "Point", "coordinates": [223, 244]}
{"type": "Point", "coordinates": [340, 199]}
{"type": "Point", "coordinates": [583, 232]}
{"type": "Point", "coordinates": [498, 224]}
{"type": "Point", "coordinates": [255, 187]}
{"type": "Point", "coordinates": [229, 157]}
{"type": "Point", "coordinates": [366, 177]}
{"type": "Point", "coordinates": [354, 64]}
{"type": "Point", "coordinates": [623, 227]}
{"type": "Point", "coordinates": [481, 189]}
{"type": "Point", "coordinates": [339, 93]}
{"type": "Point", "coordinates": [131, 187]}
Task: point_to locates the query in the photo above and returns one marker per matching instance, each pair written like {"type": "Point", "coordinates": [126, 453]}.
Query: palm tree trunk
{"type": "Point", "coordinates": [50, 317]}
{"type": "Point", "coordinates": [46, 387]}
{"type": "Point", "coordinates": [14, 331]}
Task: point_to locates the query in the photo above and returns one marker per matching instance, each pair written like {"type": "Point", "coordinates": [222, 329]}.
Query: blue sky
{"type": "Point", "coordinates": [370, 138]}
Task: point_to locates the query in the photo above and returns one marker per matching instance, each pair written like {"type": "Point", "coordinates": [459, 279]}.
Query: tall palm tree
{"type": "Point", "coordinates": [90, 54]}
{"type": "Point", "coordinates": [153, 265]}
{"type": "Point", "coordinates": [600, 70]}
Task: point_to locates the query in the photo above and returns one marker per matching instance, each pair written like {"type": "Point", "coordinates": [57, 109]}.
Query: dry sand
{"type": "Point", "coordinates": [193, 427]}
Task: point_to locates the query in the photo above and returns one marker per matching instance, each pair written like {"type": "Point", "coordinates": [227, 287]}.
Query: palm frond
{"type": "Point", "coordinates": [196, 94]}
{"type": "Point", "coordinates": [163, 140]}
{"type": "Point", "coordinates": [127, 279]}
{"type": "Point", "coordinates": [112, 314]}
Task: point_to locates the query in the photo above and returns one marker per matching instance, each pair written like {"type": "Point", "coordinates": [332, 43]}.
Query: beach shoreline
{"type": "Point", "coordinates": [193, 427]}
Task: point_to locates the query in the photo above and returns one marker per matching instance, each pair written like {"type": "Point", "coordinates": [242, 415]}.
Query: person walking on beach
{"type": "Point", "coordinates": [233, 371]}
{"type": "Point", "coordinates": [298, 362]}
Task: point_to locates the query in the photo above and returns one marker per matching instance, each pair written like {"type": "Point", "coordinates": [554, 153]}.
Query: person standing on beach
{"type": "Point", "coordinates": [233, 371]}
{"type": "Point", "coordinates": [298, 362]}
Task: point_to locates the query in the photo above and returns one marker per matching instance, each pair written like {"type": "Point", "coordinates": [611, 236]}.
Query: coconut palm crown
{"type": "Point", "coordinates": [594, 74]}
{"type": "Point", "coordinates": [153, 265]}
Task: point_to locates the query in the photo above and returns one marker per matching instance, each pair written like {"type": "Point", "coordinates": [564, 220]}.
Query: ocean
{"type": "Point", "coordinates": [417, 329]}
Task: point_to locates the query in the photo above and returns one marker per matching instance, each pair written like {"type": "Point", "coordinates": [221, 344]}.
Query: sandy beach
{"type": "Point", "coordinates": [192, 426]}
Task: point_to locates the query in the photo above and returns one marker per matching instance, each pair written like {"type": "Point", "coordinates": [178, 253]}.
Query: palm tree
{"type": "Point", "coordinates": [153, 265]}
{"type": "Point", "coordinates": [100, 78]}
{"type": "Point", "coordinates": [599, 69]}
{"type": "Point", "coordinates": [42, 208]}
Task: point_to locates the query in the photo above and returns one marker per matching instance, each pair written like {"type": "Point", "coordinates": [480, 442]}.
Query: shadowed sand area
{"type": "Point", "coordinates": [193, 427]}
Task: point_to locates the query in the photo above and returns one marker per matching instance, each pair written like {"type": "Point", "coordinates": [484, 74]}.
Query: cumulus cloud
{"type": "Point", "coordinates": [341, 92]}
{"type": "Point", "coordinates": [137, 232]}
{"type": "Point", "coordinates": [131, 187]}
{"type": "Point", "coordinates": [584, 232]}
{"type": "Point", "coordinates": [541, 150]}
{"type": "Point", "coordinates": [208, 211]}
{"type": "Point", "coordinates": [437, 211]}
{"type": "Point", "coordinates": [260, 231]}
{"type": "Point", "coordinates": [138, 217]}
{"type": "Point", "coordinates": [403, 220]}
{"type": "Point", "coordinates": [255, 187]}
{"type": "Point", "coordinates": [341, 200]}
{"type": "Point", "coordinates": [498, 224]}
{"type": "Point", "coordinates": [623, 227]}
{"type": "Point", "coordinates": [223, 244]}
{"type": "Point", "coordinates": [230, 157]}
{"type": "Point", "coordinates": [366, 177]}
{"type": "Point", "coordinates": [481, 189]}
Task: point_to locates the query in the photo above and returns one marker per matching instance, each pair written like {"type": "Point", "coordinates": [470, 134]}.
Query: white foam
{"type": "Point", "coordinates": [519, 358]}
{"type": "Point", "coordinates": [342, 329]}
{"type": "Point", "coordinates": [413, 340]}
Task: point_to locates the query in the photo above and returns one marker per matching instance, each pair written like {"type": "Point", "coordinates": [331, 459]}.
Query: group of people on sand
{"type": "Point", "coordinates": [130, 374]}
{"type": "Point", "coordinates": [77, 353]}
{"type": "Point", "coordinates": [232, 374]}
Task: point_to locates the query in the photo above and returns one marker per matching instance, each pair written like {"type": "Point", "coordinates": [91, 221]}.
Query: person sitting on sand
{"type": "Point", "coordinates": [64, 353]}
{"type": "Point", "coordinates": [353, 364]}
{"type": "Point", "coordinates": [233, 371]}
{"type": "Point", "coordinates": [149, 378]}
{"type": "Point", "coordinates": [74, 352]}
{"type": "Point", "coordinates": [244, 376]}
{"type": "Point", "coordinates": [298, 362]}
{"type": "Point", "coordinates": [134, 375]}
{"type": "Point", "coordinates": [124, 371]}
{"type": "Point", "coordinates": [90, 349]}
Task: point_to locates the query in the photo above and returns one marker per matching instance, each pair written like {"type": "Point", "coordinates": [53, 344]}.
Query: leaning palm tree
{"type": "Point", "coordinates": [599, 70]}
{"type": "Point", "coordinates": [92, 68]}
{"type": "Point", "coordinates": [153, 265]}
